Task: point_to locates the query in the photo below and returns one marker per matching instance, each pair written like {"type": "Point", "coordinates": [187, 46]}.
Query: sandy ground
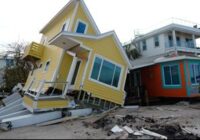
{"type": "Point", "coordinates": [186, 115]}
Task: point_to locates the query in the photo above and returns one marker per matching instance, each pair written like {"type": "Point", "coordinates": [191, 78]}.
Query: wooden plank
{"type": "Point", "coordinates": [94, 118]}
{"type": "Point", "coordinates": [57, 121]}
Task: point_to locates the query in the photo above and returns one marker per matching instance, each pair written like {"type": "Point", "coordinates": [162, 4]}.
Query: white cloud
{"type": "Point", "coordinates": [22, 19]}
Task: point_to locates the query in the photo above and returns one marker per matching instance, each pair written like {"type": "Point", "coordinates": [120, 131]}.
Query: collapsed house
{"type": "Point", "coordinates": [73, 64]}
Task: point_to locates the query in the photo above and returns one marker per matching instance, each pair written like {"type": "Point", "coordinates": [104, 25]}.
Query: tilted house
{"type": "Point", "coordinates": [170, 62]}
{"type": "Point", "coordinates": [74, 58]}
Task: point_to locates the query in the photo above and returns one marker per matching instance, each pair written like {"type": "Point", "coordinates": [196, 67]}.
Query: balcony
{"type": "Point", "coordinates": [182, 46]}
{"type": "Point", "coordinates": [34, 51]}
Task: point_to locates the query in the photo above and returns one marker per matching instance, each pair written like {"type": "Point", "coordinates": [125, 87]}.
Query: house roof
{"type": "Point", "coordinates": [70, 4]}
{"type": "Point", "coordinates": [97, 37]}
{"type": "Point", "coordinates": [149, 61]}
{"type": "Point", "coordinates": [170, 27]}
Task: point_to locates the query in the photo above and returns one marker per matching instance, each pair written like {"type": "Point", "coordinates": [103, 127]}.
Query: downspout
{"type": "Point", "coordinates": [125, 95]}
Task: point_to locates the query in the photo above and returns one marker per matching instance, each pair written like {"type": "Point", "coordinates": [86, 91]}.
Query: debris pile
{"type": "Point", "coordinates": [135, 126]}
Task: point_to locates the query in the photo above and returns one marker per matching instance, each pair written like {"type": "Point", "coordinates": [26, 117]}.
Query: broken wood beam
{"type": "Point", "coordinates": [57, 121]}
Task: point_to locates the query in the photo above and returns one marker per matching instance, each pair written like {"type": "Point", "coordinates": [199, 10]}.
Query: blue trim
{"type": "Point", "coordinates": [186, 78]}
{"type": "Point", "coordinates": [190, 62]}
{"type": "Point", "coordinates": [163, 76]}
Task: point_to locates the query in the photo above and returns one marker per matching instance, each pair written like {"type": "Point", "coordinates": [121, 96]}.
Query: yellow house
{"type": "Point", "coordinates": [75, 61]}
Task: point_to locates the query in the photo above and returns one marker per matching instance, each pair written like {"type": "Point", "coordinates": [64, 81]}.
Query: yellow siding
{"type": "Point", "coordinates": [48, 104]}
{"type": "Point", "coordinates": [107, 48]}
{"type": "Point", "coordinates": [45, 104]}
{"type": "Point", "coordinates": [51, 54]}
{"type": "Point", "coordinates": [57, 26]}
{"type": "Point", "coordinates": [35, 50]}
{"type": "Point", "coordinates": [28, 101]}
{"type": "Point", "coordinates": [82, 16]}
{"type": "Point", "coordinates": [64, 69]}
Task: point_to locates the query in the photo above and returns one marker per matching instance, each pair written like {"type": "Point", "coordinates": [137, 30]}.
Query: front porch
{"type": "Point", "coordinates": [43, 95]}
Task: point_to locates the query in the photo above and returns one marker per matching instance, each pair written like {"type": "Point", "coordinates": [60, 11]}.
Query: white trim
{"type": "Point", "coordinates": [78, 60]}
{"type": "Point", "coordinates": [162, 60]}
{"type": "Point", "coordinates": [73, 17]}
{"type": "Point", "coordinates": [57, 15]}
{"type": "Point", "coordinates": [76, 26]}
{"type": "Point", "coordinates": [67, 24]}
{"type": "Point", "coordinates": [123, 87]}
{"type": "Point", "coordinates": [71, 53]}
{"type": "Point", "coordinates": [90, 16]}
{"type": "Point", "coordinates": [169, 27]}
{"type": "Point", "coordinates": [81, 44]}
{"type": "Point", "coordinates": [46, 64]}
{"type": "Point", "coordinates": [111, 33]}
{"type": "Point", "coordinates": [116, 64]}
{"type": "Point", "coordinates": [86, 68]}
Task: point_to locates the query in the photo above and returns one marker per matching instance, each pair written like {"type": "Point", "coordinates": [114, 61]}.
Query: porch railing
{"type": "Point", "coordinates": [37, 89]}
{"type": "Point", "coordinates": [182, 46]}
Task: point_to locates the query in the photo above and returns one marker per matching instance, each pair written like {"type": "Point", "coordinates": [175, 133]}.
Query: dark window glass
{"type": "Point", "coordinates": [96, 68]}
{"type": "Point", "coordinates": [175, 75]}
{"type": "Point", "coordinates": [156, 41]}
{"type": "Point", "coordinates": [75, 72]}
{"type": "Point", "coordinates": [144, 45]}
{"type": "Point", "coordinates": [81, 28]}
{"type": "Point", "coordinates": [116, 76]}
{"type": "Point", "coordinates": [167, 75]}
{"type": "Point", "coordinates": [107, 72]}
{"type": "Point", "coordinates": [178, 41]}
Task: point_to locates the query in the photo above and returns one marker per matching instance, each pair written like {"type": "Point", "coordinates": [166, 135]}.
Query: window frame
{"type": "Point", "coordinates": [76, 26]}
{"type": "Point", "coordinates": [156, 41]}
{"type": "Point", "coordinates": [178, 41]}
{"type": "Point", "coordinates": [65, 29]}
{"type": "Point", "coordinates": [144, 43]}
{"type": "Point", "coordinates": [46, 66]}
{"type": "Point", "coordinates": [163, 75]}
{"type": "Point", "coordinates": [190, 69]}
{"type": "Point", "coordinates": [101, 83]}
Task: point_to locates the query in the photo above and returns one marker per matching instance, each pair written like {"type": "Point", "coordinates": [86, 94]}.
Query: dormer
{"type": "Point", "coordinates": [73, 18]}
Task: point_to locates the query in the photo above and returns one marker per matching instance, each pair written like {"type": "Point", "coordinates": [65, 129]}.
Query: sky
{"type": "Point", "coordinates": [21, 20]}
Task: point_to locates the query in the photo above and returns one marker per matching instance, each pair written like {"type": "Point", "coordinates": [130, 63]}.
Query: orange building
{"type": "Point", "coordinates": [169, 65]}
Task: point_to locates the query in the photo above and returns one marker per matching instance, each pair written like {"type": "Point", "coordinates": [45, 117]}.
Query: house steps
{"type": "Point", "coordinates": [13, 114]}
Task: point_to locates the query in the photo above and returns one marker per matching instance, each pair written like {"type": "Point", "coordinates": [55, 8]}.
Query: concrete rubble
{"type": "Point", "coordinates": [130, 122]}
{"type": "Point", "coordinates": [141, 127]}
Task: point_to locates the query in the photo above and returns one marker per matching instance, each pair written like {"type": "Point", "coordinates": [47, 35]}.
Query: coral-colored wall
{"type": "Point", "coordinates": [152, 80]}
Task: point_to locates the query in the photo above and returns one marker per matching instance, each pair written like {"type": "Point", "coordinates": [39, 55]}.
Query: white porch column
{"type": "Point", "coordinates": [194, 40]}
{"type": "Point", "coordinates": [70, 75]}
{"type": "Point", "coordinates": [174, 40]}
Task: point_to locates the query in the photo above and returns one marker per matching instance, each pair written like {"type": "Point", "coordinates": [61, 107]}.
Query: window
{"type": "Point", "coordinates": [66, 25]}
{"type": "Point", "coordinates": [189, 43]}
{"type": "Point", "coordinates": [170, 41]}
{"type": "Point", "coordinates": [195, 73]}
{"type": "Point", "coordinates": [144, 45]}
{"type": "Point", "coordinates": [171, 75]}
{"type": "Point", "coordinates": [156, 41]}
{"type": "Point", "coordinates": [47, 66]}
{"type": "Point", "coordinates": [106, 72]}
{"type": "Point", "coordinates": [178, 41]}
{"type": "Point", "coordinates": [81, 27]}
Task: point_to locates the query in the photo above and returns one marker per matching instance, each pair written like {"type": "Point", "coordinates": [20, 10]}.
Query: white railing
{"type": "Point", "coordinates": [37, 90]}
{"type": "Point", "coordinates": [139, 32]}
{"type": "Point", "coordinates": [181, 46]}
